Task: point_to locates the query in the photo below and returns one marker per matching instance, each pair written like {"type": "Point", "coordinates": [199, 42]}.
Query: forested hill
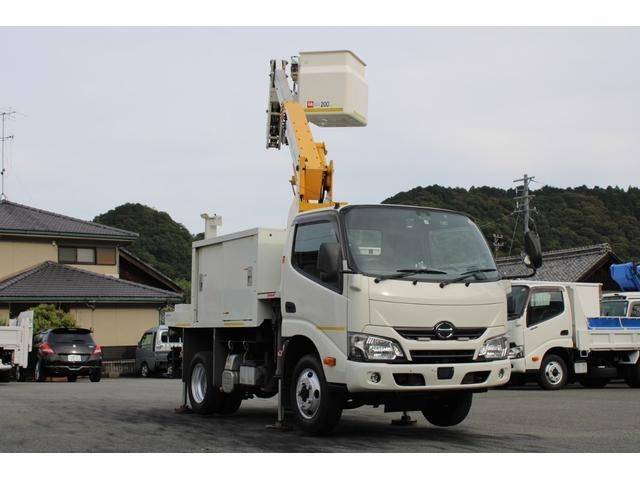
{"type": "Point", "coordinates": [566, 218]}
{"type": "Point", "coordinates": [164, 243]}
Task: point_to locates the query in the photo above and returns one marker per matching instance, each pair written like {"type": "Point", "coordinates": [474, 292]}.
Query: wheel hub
{"type": "Point", "coordinates": [308, 393]}
{"type": "Point", "coordinates": [198, 383]}
{"type": "Point", "coordinates": [553, 372]}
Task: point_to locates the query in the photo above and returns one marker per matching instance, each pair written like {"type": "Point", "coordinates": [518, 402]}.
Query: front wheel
{"type": "Point", "coordinates": [317, 411]}
{"type": "Point", "coordinates": [448, 410]}
{"type": "Point", "coordinates": [144, 370]}
{"type": "Point", "coordinates": [553, 373]}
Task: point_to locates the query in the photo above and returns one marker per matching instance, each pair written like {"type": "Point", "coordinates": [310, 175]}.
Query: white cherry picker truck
{"type": "Point", "coordinates": [349, 305]}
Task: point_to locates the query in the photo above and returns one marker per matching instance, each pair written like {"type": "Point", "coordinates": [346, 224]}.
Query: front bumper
{"type": "Point", "coordinates": [473, 375]}
{"type": "Point", "coordinates": [518, 365]}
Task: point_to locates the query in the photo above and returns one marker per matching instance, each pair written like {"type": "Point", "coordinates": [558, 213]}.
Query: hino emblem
{"type": "Point", "coordinates": [444, 330]}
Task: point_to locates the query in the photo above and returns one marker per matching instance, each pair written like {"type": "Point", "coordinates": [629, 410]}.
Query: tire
{"type": "Point", "coordinates": [632, 375]}
{"type": "Point", "coordinates": [448, 410]}
{"type": "Point", "coordinates": [96, 375]}
{"type": "Point", "coordinates": [553, 373]}
{"type": "Point", "coordinates": [317, 410]}
{"type": "Point", "coordinates": [21, 375]}
{"type": "Point", "coordinates": [593, 382]}
{"type": "Point", "coordinates": [144, 370]}
{"type": "Point", "coordinates": [71, 378]}
{"type": "Point", "coordinates": [39, 373]}
{"type": "Point", "coordinates": [204, 398]}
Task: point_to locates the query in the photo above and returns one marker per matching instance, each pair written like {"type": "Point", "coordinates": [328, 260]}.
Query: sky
{"type": "Point", "coordinates": [174, 118]}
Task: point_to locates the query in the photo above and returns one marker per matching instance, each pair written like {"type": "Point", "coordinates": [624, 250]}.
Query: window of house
{"type": "Point", "coordinates": [87, 255]}
{"type": "Point", "coordinates": [307, 243]}
{"type": "Point", "coordinates": [544, 305]}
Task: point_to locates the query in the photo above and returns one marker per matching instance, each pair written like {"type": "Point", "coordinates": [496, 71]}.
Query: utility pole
{"type": "Point", "coordinates": [3, 139]}
{"type": "Point", "coordinates": [498, 243]}
{"type": "Point", "coordinates": [525, 208]}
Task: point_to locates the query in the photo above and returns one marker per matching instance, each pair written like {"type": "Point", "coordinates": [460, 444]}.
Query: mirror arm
{"type": "Point", "coordinates": [517, 277]}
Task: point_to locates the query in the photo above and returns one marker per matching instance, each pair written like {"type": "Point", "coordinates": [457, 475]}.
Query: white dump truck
{"type": "Point", "coordinates": [349, 305]}
{"type": "Point", "coordinates": [15, 344]}
{"type": "Point", "coordinates": [557, 334]}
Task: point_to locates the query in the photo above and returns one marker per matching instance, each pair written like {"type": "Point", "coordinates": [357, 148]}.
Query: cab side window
{"type": "Point", "coordinates": [544, 305]}
{"type": "Point", "coordinates": [306, 246]}
{"type": "Point", "coordinates": [635, 310]}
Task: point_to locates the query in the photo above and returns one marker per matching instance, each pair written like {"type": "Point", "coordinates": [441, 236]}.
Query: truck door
{"type": "Point", "coordinates": [548, 323]}
{"type": "Point", "coordinates": [306, 295]}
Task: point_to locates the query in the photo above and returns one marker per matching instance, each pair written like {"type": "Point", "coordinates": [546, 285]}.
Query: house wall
{"type": "Point", "coordinates": [18, 255]}
{"type": "Point", "coordinates": [117, 326]}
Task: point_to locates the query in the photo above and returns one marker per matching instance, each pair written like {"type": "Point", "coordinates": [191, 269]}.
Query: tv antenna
{"type": "Point", "coordinates": [3, 139]}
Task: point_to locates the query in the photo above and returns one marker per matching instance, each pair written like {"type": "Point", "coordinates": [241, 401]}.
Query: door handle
{"type": "Point", "coordinates": [289, 307]}
{"type": "Point", "coordinates": [564, 333]}
{"type": "Point", "coordinates": [533, 328]}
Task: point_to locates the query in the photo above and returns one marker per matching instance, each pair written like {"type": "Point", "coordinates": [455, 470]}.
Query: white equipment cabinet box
{"type": "Point", "coordinates": [332, 88]}
{"type": "Point", "coordinates": [235, 276]}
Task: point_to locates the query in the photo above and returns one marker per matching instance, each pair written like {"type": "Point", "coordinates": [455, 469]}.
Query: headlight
{"type": "Point", "coordinates": [516, 352]}
{"type": "Point", "coordinates": [367, 348]}
{"type": "Point", "coordinates": [495, 348]}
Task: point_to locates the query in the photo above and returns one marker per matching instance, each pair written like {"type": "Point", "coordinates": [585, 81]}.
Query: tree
{"type": "Point", "coordinates": [47, 316]}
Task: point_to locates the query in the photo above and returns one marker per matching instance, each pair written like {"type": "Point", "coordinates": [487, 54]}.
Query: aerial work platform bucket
{"type": "Point", "coordinates": [332, 88]}
{"type": "Point", "coordinates": [627, 276]}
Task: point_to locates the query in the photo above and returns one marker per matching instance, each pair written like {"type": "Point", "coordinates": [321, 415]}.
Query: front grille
{"type": "Point", "coordinates": [442, 356]}
{"type": "Point", "coordinates": [429, 334]}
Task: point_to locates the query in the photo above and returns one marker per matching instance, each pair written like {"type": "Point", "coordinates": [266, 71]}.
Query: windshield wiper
{"type": "Point", "coordinates": [407, 272]}
{"type": "Point", "coordinates": [465, 275]}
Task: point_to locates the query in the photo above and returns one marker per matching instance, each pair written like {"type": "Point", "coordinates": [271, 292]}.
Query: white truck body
{"type": "Point", "coordinates": [246, 281]}
{"type": "Point", "coordinates": [16, 341]}
{"type": "Point", "coordinates": [564, 319]}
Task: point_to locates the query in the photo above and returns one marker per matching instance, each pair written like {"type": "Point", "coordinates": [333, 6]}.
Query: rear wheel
{"type": "Point", "coordinates": [72, 378]}
{"type": "Point", "coordinates": [632, 375]}
{"type": "Point", "coordinates": [96, 375]}
{"type": "Point", "coordinates": [593, 382]}
{"type": "Point", "coordinates": [448, 410]}
{"type": "Point", "coordinates": [204, 397]}
{"type": "Point", "coordinates": [317, 411]}
{"type": "Point", "coordinates": [553, 373]}
{"type": "Point", "coordinates": [40, 374]}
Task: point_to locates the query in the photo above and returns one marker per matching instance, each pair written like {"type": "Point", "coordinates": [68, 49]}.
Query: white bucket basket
{"type": "Point", "coordinates": [332, 88]}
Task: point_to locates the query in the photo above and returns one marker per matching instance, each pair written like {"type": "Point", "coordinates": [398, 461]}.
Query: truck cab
{"type": "Point", "coordinates": [624, 304]}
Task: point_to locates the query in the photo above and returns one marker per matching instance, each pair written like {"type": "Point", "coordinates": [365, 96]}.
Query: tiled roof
{"type": "Point", "coordinates": [570, 265]}
{"type": "Point", "coordinates": [53, 282]}
{"type": "Point", "coordinates": [20, 219]}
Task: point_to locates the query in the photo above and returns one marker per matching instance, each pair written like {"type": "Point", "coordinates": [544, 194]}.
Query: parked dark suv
{"type": "Point", "coordinates": [66, 352]}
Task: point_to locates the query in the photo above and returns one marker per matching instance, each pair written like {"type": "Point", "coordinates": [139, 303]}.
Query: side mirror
{"type": "Point", "coordinates": [533, 250]}
{"type": "Point", "coordinates": [329, 261]}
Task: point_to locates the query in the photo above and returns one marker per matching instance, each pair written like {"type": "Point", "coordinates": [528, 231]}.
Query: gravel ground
{"type": "Point", "coordinates": [136, 415]}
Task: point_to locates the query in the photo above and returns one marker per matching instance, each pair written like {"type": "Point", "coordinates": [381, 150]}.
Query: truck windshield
{"type": "Point", "coordinates": [384, 240]}
{"type": "Point", "coordinates": [613, 308]}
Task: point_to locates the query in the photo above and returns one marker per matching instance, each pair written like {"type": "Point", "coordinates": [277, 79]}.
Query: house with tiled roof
{"type": "Point", "coordinates": [584, 264]}
{"type": "Point", "coordinates": [83, 268]}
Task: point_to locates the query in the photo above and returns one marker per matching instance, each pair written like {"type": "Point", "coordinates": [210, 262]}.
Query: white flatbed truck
{"type": "Point", "coordinates": [349, 305]}
{"type": "Point", "coordinates": [558, 334]}
{"type": "Point", "coordinates": [15, 344]}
